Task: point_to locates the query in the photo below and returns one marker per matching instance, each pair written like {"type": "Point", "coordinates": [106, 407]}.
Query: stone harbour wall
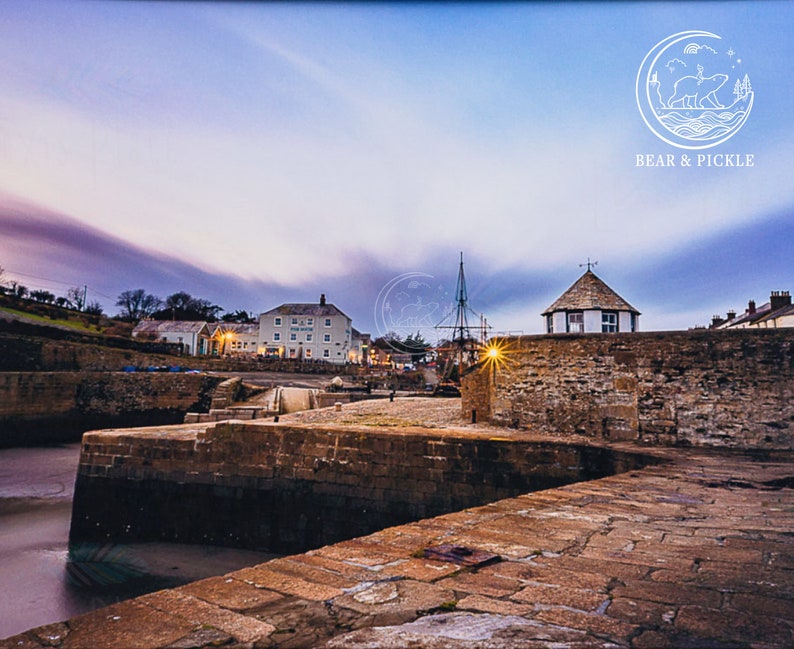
{"type": "Point", "coordinates": [288, 488]}
{"type": "Point", "coordinates": [703, 388]}
{"type": "Point", "coordinates": [47, 406]}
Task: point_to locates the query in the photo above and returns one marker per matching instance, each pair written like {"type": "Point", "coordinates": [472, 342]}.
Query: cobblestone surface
{"type": "Point", "coordinates": [695, 552]}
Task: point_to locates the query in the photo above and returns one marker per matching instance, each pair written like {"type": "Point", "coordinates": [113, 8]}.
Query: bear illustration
{"type": "Point", "coordinates": [691, 91]}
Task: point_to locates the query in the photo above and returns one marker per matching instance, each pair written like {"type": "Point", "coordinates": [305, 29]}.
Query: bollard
{"type": "Point", "coordinates": [474, 415]}
{"type": "Point", "coordinates": [338, 406]}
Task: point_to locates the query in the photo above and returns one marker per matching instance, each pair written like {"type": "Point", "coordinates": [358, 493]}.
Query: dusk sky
{"type": "Point", "coordinates": [259, 153]}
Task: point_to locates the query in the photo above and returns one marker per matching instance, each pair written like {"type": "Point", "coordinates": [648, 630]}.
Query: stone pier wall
{"type": "Point", "coordinates": [288, 488]}
{"type": "Point", "coordinates": [705, 388]}
{"type": "Point", "coordinates": [46, 406]}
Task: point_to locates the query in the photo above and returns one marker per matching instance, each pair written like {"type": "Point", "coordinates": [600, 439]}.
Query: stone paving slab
{"type": "Point", "coordinates": [695, 552]}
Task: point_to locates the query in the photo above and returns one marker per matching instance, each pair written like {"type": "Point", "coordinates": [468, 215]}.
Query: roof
{"type": "Point", "coordinates": [300, 309]}
{"type": "Point", "coordinates": [761, 314]}
{"type": "Point", "coordinates": [168, 326]}
{"type": "Point", "coordinates": [239, 328]}
{"type": "Point", "coordinates": [590, 292]}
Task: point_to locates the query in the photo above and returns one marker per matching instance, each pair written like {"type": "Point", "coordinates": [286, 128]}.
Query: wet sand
{"type": "Point", "coordinates": [39, 586]}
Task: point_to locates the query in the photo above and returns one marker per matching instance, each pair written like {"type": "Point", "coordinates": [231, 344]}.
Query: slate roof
{"type": "Point", "coordinates": [168, 326]}
{"type": "Point", "coordinates": [590, 292]}
{"type": "Point", "coordinates": [301, 309]}
{"type": "Point", "coordinates": [239, 328]}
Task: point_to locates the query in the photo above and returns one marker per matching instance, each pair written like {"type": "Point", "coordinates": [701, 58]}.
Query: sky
{"type": "Point", "coordinates": [259, 153]}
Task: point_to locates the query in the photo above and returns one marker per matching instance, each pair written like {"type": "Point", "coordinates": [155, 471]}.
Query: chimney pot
{"type": "Point", "coordinates": [751, 307]}
{"type": "Point", "coordinates": [779, 299]}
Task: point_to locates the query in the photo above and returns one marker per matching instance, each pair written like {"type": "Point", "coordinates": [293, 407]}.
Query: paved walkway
{"type": "Point", "coordinates": [695, 552]}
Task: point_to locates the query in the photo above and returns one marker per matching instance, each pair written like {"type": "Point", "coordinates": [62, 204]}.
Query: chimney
{"type": "Point", "coordinates": [731, 315]}
{"type": "Point", "coordinates": [322, 299]}
{"type": "Point", "coordinates": [779, 299]}
{"type": "Point", "coordinates": [751, 307]}
{"type": "Point", "coordinates": [716, 321]}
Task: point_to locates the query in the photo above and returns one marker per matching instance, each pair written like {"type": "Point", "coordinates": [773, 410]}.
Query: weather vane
{"type": "Point", "coordinates": [589, 264]}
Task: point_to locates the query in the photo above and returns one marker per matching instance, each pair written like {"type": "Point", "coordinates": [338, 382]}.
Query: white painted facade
{"type": "Point", "coordinates": [194, 337]}
{"type": "Point", "coordinates": [308, 332]}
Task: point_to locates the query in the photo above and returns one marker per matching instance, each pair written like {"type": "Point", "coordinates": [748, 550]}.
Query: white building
{"type": "Point", "coordinates": [317, 331]}
{"type": "Point", "coordinates": [194, 337]}
{"type": "Point", "coordinates": [590, 306]}
{"type": "Point", "coordinates": [235, 338]}
{"type": "Point", "coordinates": [776, 314]}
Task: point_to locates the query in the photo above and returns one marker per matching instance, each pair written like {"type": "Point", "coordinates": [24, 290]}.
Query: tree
{"type": "Point", "coordinates": [137, 304]}
{"type": "Point", "coordinates": [42, 296]}
{"type": "Point", "coordinates": [93, 308]}
{"type": "Point", "coordinates": [76, 297]}
{"type": "Point", "coordinates": [183, 306]}
{"type": "Point", "coordinates": [18, 289]}
{"type": "Point", "coordinates": [242, 317]}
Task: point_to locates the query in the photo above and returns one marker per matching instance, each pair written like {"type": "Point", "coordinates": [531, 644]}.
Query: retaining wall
{"type": "Point", "coordinates": [289, 488]}
{"type": "Point", "coordinates": [705, 388]}
{"type": "Point", "coordinates": [55, 406]}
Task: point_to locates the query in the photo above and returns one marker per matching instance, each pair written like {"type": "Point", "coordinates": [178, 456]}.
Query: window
{"type": "Point", "coordinates": [549, 324]}
{"type": "Point", "coordinates": [307, 353]}
{"type": "Point", "coordinates": [326, 353]}
{"type": "Point", "coordinates": [294, 321]}
{"type": "Point", "coordinates": [576, 322]}
{"type": "Point", "coordinates": [309, 338]}
{"type": "Point", "coordinates": [277, 321]}
{"type": "Point", "coordinates": [293, 337]}
{"type": "Point", "coordinates": [609, 322]}
{"type": "Point", "coordinates": [277, 336]}
{"type": "Point", "coordinates": [633, 322]}
{"type": "Point", "coordinates": [309, 322]}
{"type": "Point", "coordinates": [328, 322]}
{"type": "Point", "coordinates": [326, 338]}
{"type": "Point", "coordinates": [292, 353]}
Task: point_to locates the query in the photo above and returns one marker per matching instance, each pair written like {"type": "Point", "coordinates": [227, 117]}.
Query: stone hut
{"type": "Point", "coordinates": [590, 306]}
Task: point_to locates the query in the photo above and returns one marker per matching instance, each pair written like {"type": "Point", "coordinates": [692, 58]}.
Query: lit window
{"type": "Point", "coordinates": [308, 353]}
{"type": "Point", "coordinates": [609, 322]}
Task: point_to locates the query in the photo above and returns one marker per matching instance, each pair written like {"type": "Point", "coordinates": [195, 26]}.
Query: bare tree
{"type": "Point", "coordinates": [137, 304]}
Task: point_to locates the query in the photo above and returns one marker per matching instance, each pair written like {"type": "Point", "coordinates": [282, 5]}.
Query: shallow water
{"type": "Point", "coordinates": [40, 586]}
